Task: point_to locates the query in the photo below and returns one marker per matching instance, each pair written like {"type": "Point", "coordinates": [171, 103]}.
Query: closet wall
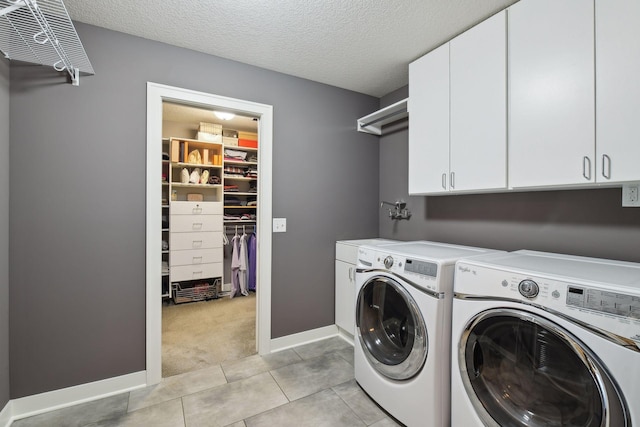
{"type": "Point", "coordinates": [77, 243]}
{"type": "Point", "coordinates": [4, 233]}
{"type": "Point", "coordinates": [577, 222]}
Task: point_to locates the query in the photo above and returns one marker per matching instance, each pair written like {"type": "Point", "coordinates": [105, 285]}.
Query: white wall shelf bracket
{"type": "Point", "coordinates": [41, 32]}
{"type": "Point", "coordinates": [374, 122]}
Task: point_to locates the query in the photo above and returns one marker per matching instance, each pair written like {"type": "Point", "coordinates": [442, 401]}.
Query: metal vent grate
{"type": "Point", "coordinates": [41, 32]}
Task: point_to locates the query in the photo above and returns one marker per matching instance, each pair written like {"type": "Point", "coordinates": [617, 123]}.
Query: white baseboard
{"type": "Point", "coordinates": [283, 343]}
{"type": "Point", "coordinates": [57, 399]}
{"type": "Point", "coordinates": [6, 415]}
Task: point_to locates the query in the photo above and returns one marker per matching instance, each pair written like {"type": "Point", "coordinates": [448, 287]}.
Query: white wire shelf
{"type": "Point", "coordinates": [41, 32]}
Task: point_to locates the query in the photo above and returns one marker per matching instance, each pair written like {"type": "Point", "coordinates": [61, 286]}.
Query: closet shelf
{"type": "Point", "coordinates": [179, 184]}
{"type": "Point", "coordinates": [240, 163]}
{"type": "Point", "coordinates": [240, 178]}
{"type": "Point", "coordinates": [374, 122]}
{"type": "Point", "coordinates": [194, 165]}
{"type": "Point", "coordinates": [238, 193]}
{"type": "Point", "coordinates": [41, 32]}
{"type": "Point", "coordinates": [240, 207]}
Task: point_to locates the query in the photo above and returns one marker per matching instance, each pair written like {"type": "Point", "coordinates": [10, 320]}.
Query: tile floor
{"type": "Point", "coordinates": [312, 385]}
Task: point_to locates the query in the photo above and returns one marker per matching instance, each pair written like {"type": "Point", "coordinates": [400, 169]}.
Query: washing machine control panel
{"type": "Point", "coordinates": [604, 301]}
{"type": "Point", "coordinates": [388, 261]}
{"type": "Point", "coordinates": [528, 288]}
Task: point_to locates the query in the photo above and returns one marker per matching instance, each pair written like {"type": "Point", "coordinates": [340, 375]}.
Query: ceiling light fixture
{"type": "Point", "coordinates": [223, 115]}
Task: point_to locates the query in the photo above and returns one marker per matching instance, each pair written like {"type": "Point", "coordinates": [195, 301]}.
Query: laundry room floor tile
{"type": "Point", "coordinates": [322, 409]}
{"type": "Point", "coordinates": [346, 354]}
{"type": "Point", "coordinates": [252, 365]}
{"type": "Point", "coordinates": [166, 414]}
{"type": "Point", "coordinates": [79, 415]}
{"type": "Point", "coordinates": [177, 386]}
{"type": "Point", "coordinates": [387, 422]}
{"type": "Point", "coordinates": [233, 402]}
{"type": "Point", "coordinates": [318, 348]}
{"type": "Point", "coordinates": [359, 402]}
{"type": "Point", "coordinates": [310, 376]}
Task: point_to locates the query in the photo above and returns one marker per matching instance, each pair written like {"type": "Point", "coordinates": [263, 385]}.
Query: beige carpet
{"type": "Point", "coordinates": [201, 334]}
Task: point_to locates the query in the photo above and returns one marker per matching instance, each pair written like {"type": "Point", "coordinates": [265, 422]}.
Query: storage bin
{"type": "Point", "coordinates": [209, 137]}
{"type": "Point", "coordinates": [230, 141]}
{"type": "Point", "coordinates": [249, 143]}
{"type": "Point", "coordinates": [211, 128]}
{"type": "Point", "coordinates": [230, 133]}
{"type": "Point", "coordinates": [248, 135]}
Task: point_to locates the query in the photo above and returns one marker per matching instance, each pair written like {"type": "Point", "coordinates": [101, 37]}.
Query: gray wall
{"type": "Point", "coordinates": [577, 222]}
{"type": "Point", "coordinates": [77, 242]}
{"type": "Point", "coordinates": [4, 233]}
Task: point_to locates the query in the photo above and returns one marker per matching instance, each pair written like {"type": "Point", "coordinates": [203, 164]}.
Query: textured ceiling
{"type": "Point", "coordinates": [361, 45]}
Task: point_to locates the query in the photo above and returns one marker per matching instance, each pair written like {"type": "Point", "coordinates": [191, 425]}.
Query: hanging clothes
{"type": "Point", "coordinates": [244, 263]}
{"type": "Point", "coordinates": [253, 257]}
{"type": "Point", "coordinates": [235, 266]}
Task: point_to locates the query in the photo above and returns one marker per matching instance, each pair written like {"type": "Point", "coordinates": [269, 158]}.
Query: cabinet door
{"type": "Point", "coordinates": [552, 95]}
{"type": "Point", "coordinates": [617, 90]}
{"type": "Point", "coordinates": [345, 296]}
{"type": "Point", "coordinates": [479, 107]}
{"type": "Point", "coordinates": [428, 108]}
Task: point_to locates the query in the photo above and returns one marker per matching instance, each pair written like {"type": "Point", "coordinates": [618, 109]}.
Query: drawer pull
{"type": "Point", "coordinates": [197, 211]}
{"type": "Point", "coordinates": [197, 273]}
{"type": "Point", "coordinates": [197, 244]}
{"type": "Point", "coordinates": [197, 259]}
{"type": "Point", "coordinates": [197, 226]}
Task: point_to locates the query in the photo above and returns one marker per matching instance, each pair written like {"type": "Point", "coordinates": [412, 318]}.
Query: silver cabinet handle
{"type": "Point", "coordinates": [606, 159]}
{"type": "Point", "coordinates": [444, 181]}
{"type": "Point", "coordinates": [453, 180]}
{"type": "Point", "coordinates": [586, 168]}
{"type": "Point", "coordinates": [196, 226]}
{"type": "Point", "coordinates": [350, 273]}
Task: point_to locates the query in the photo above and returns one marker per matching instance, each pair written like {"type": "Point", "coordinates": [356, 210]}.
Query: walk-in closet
{"type": "Point", "coordinates": [209, 236]}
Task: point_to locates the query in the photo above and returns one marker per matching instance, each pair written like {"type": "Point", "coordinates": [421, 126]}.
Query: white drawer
{"type": "Point", "coordinates": [195, 256]}
{"type": "Point", "coordinates": [195, 240]}
{"type": "Point", "coordinates": [196, 272]}
{"type": "Point", "coordinates": [196, 208]}
{"type": "Point", "coordinates": [347, 252]}
{"type": "Point", "coordinates": [188, 223]}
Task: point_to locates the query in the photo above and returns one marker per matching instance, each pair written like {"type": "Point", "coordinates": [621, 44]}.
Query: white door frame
{"type": "Point", "coordinates": [156, 94]}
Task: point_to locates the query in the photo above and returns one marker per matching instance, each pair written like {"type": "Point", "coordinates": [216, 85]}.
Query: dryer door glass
{"type": "Point", "coordinates": [390, 328]}
{"type": "Point", "coordinates": [523, 370]}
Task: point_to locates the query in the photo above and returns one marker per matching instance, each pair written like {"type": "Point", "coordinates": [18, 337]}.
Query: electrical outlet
{"type": "Point", "coordinates": [630, 195]}
{"type": "Point", "coordinates": [279, 225]}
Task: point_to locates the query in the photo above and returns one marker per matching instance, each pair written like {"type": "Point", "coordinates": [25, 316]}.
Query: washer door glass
{"type": "Point", "coordinates": [520, 369]}
{"type": "Point", "coordinates": [390, 328]}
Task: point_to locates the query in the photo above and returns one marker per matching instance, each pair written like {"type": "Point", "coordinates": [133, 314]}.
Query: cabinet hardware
{"type": "Point", "coordinates": [452, 180]}
{"type": "Point", "coordinates": [586, 168]}
{"type": "Point", "coordinates": [606, 159]}
{"type": "Point", "coordinates": [444, 181]}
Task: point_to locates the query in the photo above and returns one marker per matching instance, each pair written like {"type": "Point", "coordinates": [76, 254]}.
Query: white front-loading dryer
{"type": "Point", "coordinates": [402, 342]}
{"type": "Point", "coordinates": [545, 340]}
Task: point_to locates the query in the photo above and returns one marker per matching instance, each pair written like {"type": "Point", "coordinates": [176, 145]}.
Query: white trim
{"type": "Point", "coordinates": [6, 415]}
{"type": "Point", "coordinates": [65, 397]}
{"type": "Point", "coordinates": [156, 94]}
{"type": "Point", "coordinates": [306, 337]}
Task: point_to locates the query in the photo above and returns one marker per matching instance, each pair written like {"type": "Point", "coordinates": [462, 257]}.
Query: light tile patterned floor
{"type": "Point", "coordinates": [307, 386]}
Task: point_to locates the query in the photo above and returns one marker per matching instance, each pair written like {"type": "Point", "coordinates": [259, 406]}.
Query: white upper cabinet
{"type": "Point", "coordinates": [428, 108]}
{"type": "Point", "coordinates": [478, 69]}
{"type": "Point", "coordinates": [617, 90]}
{"type": "Point", "coordinates": [551, 93]}
{"type": "Point", "coordinates": [457, 113]}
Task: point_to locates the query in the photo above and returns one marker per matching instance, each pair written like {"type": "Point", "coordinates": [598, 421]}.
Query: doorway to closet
{"type": "Point", "coordinates": [183, 131]}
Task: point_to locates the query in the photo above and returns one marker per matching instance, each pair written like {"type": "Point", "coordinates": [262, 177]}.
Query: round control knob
{"type": "Point", "coordinates": [388, 261]}
{"type": "Point", "coordinates": [528, 288]}
{"type": "Point", "coordinates": [555, 294]}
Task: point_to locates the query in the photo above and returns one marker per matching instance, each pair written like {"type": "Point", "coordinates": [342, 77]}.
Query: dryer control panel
{"type": "Point", "coordinates": [604, 301]}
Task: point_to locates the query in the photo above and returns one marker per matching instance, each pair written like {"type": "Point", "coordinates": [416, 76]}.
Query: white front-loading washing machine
{"type": "Point", "coordinates": [402, 342]}
{"type": "Point", "coordinates": [544, 339]}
